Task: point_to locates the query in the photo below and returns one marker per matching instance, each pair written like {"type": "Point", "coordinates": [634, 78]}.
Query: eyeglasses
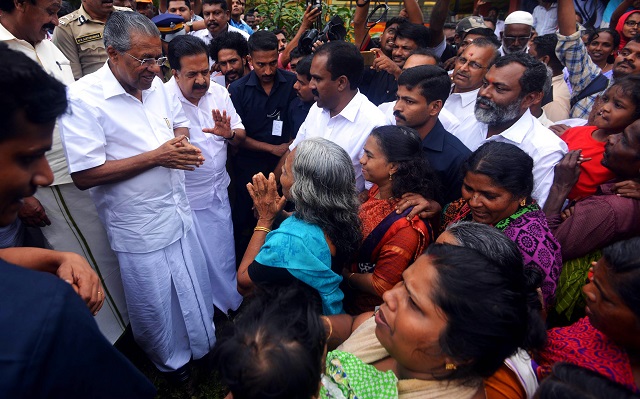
{"type": "Point", "coordinates": [149, 62]}
{"type": "Point", "coordinates": [472, 64]}
{"type": "Point", "coordinates": [513, 39]}
{"type": "Point", "coordinates": [632, 24]}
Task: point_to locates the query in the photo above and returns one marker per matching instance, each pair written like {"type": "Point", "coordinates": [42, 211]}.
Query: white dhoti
{"type": "Point", "coordinates": [169, 301]}
{"type": "Point", "coordinates": [215, 233]}
{"type": "Point", "coordinates": [75, 227]}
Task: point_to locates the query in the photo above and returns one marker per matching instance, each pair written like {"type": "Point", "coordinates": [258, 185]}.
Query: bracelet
{"type": "Point", "coordinates": [325, 318]}
{"type": "Point", "coordinates": [349, 281]}
{"type": "Point", "coordinates": [233, 136]}
{"type": "Point", "coordinates": [260, 228]}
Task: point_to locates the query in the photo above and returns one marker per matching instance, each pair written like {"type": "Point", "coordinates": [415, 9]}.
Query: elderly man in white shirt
{"type": "Point", "coordinates": [341, 113]}
{"type": "Point", "coordinates": [216, 16]}
{"type": "Point", "coordinates": [502, 113]}
{"type": "Point", "coordinates": [214, 123]}
{"type": "Point", "coordinates": [468, 73]}
{"type": "Point", "coordinates": [125, 138]}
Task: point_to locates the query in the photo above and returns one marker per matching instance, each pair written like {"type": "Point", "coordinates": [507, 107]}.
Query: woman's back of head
{"type": "Point", "coordinates": [275, 347]}
{"type": "Point", "coordinates": [324, 191]}
{"type": "Point", "coordinates": [487, 306]}
{"type": "Point", "coordinates": [507, 165]}
{"type": "Point", "coordinates": [402, 145]}
{"type": "Point", "coordinates": [568, 381]}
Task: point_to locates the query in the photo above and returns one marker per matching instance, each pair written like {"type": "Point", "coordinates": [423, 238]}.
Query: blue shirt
{"type": "Point", "coordinates": [298, 111]}
{"type": "Point", "coordinates": [258, 110]}
{"type": "Point", "coordinates": [446, 153]}
{"type": "Point", "coordinates": [241, 25]}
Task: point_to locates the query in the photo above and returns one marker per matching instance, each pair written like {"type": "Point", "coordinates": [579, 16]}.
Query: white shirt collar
{"type": "Point", "coordinates": [111, 87]}
{"type": "Point", "coordinates": [468, 97]}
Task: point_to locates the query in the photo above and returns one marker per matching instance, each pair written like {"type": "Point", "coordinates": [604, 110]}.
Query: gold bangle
{"type": "Point", "coordinates": [325, 318]}
{"type": "Point", "coordinates": [260, 228]}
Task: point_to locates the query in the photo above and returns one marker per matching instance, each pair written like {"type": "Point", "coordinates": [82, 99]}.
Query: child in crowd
{"type": "Point", "coordinates": [618, 108]}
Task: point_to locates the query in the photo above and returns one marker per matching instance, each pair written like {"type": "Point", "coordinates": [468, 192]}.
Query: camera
{"type": "Point", "coordinates": [333, 30]}
{"type": "Point", "coordinates": [315, 4]}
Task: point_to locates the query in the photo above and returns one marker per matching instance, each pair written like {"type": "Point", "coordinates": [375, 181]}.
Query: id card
{"type": "Point", "coordinates": [276, 130]}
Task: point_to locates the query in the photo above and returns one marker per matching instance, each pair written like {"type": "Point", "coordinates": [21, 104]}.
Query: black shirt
{"type": "Point", "coordinates": [258, 110]}
{"type": "Point", "coordinates": [446, 153]}
{"type": "Point", "coordinates": [298, 111]}
{"type": "Point", "coordinates": [379, 86]}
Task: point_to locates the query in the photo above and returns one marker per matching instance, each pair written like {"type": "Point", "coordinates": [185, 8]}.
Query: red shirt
{"type": "Point", "coordinates": [593, 173]}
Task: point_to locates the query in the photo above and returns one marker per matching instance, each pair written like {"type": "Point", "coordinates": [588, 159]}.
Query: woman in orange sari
{"type": "Point", "coordinates": [393, 161]}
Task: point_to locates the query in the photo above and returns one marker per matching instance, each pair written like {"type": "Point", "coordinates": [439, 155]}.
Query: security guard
{"type": "Point", "coordinates": [79, 36]}
{"type": "Point", "coordinates": [170, 26]}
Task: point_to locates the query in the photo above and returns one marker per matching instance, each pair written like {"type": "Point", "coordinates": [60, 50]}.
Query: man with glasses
{"type": "Point", "coordinates": [470, 68]}
{"type": "Point", "coordinates": [126, 139]}
{"type": "Point", "coordinates": [516, 33]}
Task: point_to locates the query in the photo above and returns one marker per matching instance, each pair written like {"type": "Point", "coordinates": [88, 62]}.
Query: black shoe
{"type": "Point", "coordinates": [181, 376]}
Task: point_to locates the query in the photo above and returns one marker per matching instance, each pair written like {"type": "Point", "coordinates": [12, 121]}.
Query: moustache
{"type": "Point", "coordinates": [315, 92]}
{"type": "Point", "coordinates": [398, 115]}
{"type": "Point", "coordinates": [628, 63]}
{"type": "Point", "coordinates": [197, 86]}
{"type": "Point", "coordinates": [486, 102]}
{"type": "Point", "coordinates": [50, 27]}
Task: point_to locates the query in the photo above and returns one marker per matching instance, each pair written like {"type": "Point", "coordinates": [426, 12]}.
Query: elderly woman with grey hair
{"type": "Point", "coordinates": [318, 239]}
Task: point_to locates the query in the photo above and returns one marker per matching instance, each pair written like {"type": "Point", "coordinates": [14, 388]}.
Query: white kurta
{"type": "Point", "coordinates": [207, 192]}
{"type": "Point", "coordinates": [74, 221]}
{"type": "Point", "coordinates": [147, 217]}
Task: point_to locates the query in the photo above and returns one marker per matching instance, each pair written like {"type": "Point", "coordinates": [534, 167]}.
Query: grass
{"type": "Point", "coordinates": [205, 384]}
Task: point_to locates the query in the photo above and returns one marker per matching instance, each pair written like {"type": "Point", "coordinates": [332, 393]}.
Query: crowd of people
{"type": "Point", "coordinates": [456, 217]}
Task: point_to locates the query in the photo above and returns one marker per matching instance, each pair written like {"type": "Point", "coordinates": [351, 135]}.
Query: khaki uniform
{"type": "Point", "coordinates": [80, 39]}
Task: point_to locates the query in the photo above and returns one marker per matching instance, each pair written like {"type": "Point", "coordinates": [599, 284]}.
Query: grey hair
{"type": "Point", "coordinates": [324, 192]}
{"type": "Point", "coordinates": [487, 240]}
{"type": "Point", "coordinates": [548, 83]}
{"type": "Point", "coordinates": [120, 26]}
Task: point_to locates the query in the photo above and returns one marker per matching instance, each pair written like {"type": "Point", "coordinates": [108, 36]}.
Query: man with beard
{"type": "Point", "coordinates": [213, 125]}
{"type": "Point", "coordinates": [517, 32]}
{"type": "Point", "coordinates": [230, 52]}
{"type": "Point", "coordinates": [126, 139]}
{"type": "Point", "coordinates": [612, 213]}
{"type": "Point", "coordinates": [421, 92]}
{"type": "Point", "coordinates": [509, 88]}
{"type": "Point", "coordinates": [262, 100]}
{"type": "Point", "coordinates": [470, 68]}
{"type": "Point", "coordinates": [216, 17]}
{"type": "Point", "coordinates": [79, 36]}
{"type": "Point", "coordinates": [237, 9]}
{"type": "Point", "coordinates": [583, 72]}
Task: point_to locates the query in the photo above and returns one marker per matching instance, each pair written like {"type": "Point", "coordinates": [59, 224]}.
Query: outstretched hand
{"type": "Point", "coordinates": [628, 188]}
{"type": "Point", "coordinates": [266, 200]}
{"type": "Point", "coordinates": [222, 126]}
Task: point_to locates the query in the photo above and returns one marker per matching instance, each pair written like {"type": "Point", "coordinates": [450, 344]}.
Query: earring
{"type": "Point", "coordinates": [390, 176]}
{"type": "Point", "coordinates": [450, 366]}
{"type": "Point", "coordinates": [523, 202]}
